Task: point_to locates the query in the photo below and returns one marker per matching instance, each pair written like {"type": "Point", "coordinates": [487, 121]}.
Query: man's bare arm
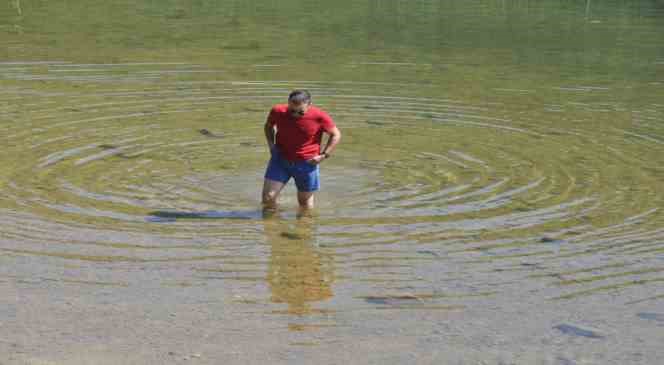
{"type": "Point", "coordinates": [335, 137]}
{"type": "Point", "coordinates": [269, 134]}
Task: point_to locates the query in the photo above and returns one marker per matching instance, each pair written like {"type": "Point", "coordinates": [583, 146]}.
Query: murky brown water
{"type": "Point", "coordinates": [498, 191]}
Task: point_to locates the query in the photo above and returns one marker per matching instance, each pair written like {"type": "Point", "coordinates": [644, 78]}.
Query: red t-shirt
{"type": "Point", "coordinates": [299, 139]}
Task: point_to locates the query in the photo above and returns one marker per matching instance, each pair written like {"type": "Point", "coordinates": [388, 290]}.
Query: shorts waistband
{"type": "Point", "coordinates": [287, 161]}
{"type": "Point", "coordinates": [290, 162]}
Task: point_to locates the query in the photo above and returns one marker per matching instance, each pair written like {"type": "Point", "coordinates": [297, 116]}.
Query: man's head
{"type": "Point", "coordinates": [298, 102]}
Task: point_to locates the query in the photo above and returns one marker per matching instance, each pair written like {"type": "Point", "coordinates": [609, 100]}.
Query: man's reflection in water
{"type": "Point", "coordinates": [298, 272]}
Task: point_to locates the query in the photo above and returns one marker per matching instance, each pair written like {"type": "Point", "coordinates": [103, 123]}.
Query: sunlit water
{"type": "Point", "coordinates": [496, 154]}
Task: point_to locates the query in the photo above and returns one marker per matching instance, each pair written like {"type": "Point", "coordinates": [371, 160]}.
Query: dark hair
{"type": "Point", "coordinates": [300, 96]}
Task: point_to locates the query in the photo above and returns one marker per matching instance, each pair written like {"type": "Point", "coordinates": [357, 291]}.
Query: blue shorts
{"type": "Point", "coordinates": [306, 175]}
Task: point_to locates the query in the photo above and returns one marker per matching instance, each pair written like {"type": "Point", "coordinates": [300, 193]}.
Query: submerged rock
{"type": "Point", "coordinates": [208, 133]}
{"type": "Point", "coordinates": [392, 299]}
{"type": "Point", "coordinates": [428, 252]}
{"type": "Point", "coordinates": [291, 235]}
{"type": "Point", "coordinates": [547, 239]}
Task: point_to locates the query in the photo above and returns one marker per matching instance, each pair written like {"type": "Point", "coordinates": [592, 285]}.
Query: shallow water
{"type": "Point", "coordinates": [500, 177]}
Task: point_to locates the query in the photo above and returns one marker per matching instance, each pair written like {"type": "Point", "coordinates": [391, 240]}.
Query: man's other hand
{"type": "Point", "coordinates": [316, 160]}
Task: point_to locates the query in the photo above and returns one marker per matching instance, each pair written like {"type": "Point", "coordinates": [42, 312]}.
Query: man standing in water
{"type": "Point", "coordinates": [294, 133]}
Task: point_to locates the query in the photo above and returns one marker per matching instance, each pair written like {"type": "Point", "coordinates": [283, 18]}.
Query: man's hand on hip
{"type": "Point", "coordinates": [318, 159]}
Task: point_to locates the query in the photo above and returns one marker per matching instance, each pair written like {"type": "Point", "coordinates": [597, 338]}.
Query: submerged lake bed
{"type": "Point", "coordinates": [496, 198]}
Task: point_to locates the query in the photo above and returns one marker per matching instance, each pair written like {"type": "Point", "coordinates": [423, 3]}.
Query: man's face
{"type": "Point", "coordinates": [297, 109]}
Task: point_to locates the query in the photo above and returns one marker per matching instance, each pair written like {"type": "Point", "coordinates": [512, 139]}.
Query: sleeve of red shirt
{"type": "Point", "coordinates": [326, 122]}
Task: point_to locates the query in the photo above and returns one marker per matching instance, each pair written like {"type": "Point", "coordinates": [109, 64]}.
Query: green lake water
{"type": "Point", "coordinates": [500, 159]}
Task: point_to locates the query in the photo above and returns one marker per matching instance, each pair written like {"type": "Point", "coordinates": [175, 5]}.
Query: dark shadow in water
{"type": "Point", "coordinates": [657, 317]}
{"type": "Point", "coordinates": [163, 216]}
{"type": "Point", "coordinates": [299, 273]}
{"type": "Point", "coordinates": [568, 329]}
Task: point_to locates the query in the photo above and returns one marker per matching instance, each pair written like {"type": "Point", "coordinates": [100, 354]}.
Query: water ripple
{"type": "Point", "coordinates": [121, 173]}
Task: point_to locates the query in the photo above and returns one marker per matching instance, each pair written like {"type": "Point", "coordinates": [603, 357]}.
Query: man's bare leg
{"type": "Point", "coordinates": [271, 190]}
{"type": "Point", "coordinates": [306, 199]}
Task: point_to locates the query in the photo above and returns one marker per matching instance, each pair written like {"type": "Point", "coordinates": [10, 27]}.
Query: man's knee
{"type": "Point", "coordinates": [270, 196]}
{"type": "Point", "coordinates": [271, 190]}
{"type": "Point", "coordinates": [306, 200]}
